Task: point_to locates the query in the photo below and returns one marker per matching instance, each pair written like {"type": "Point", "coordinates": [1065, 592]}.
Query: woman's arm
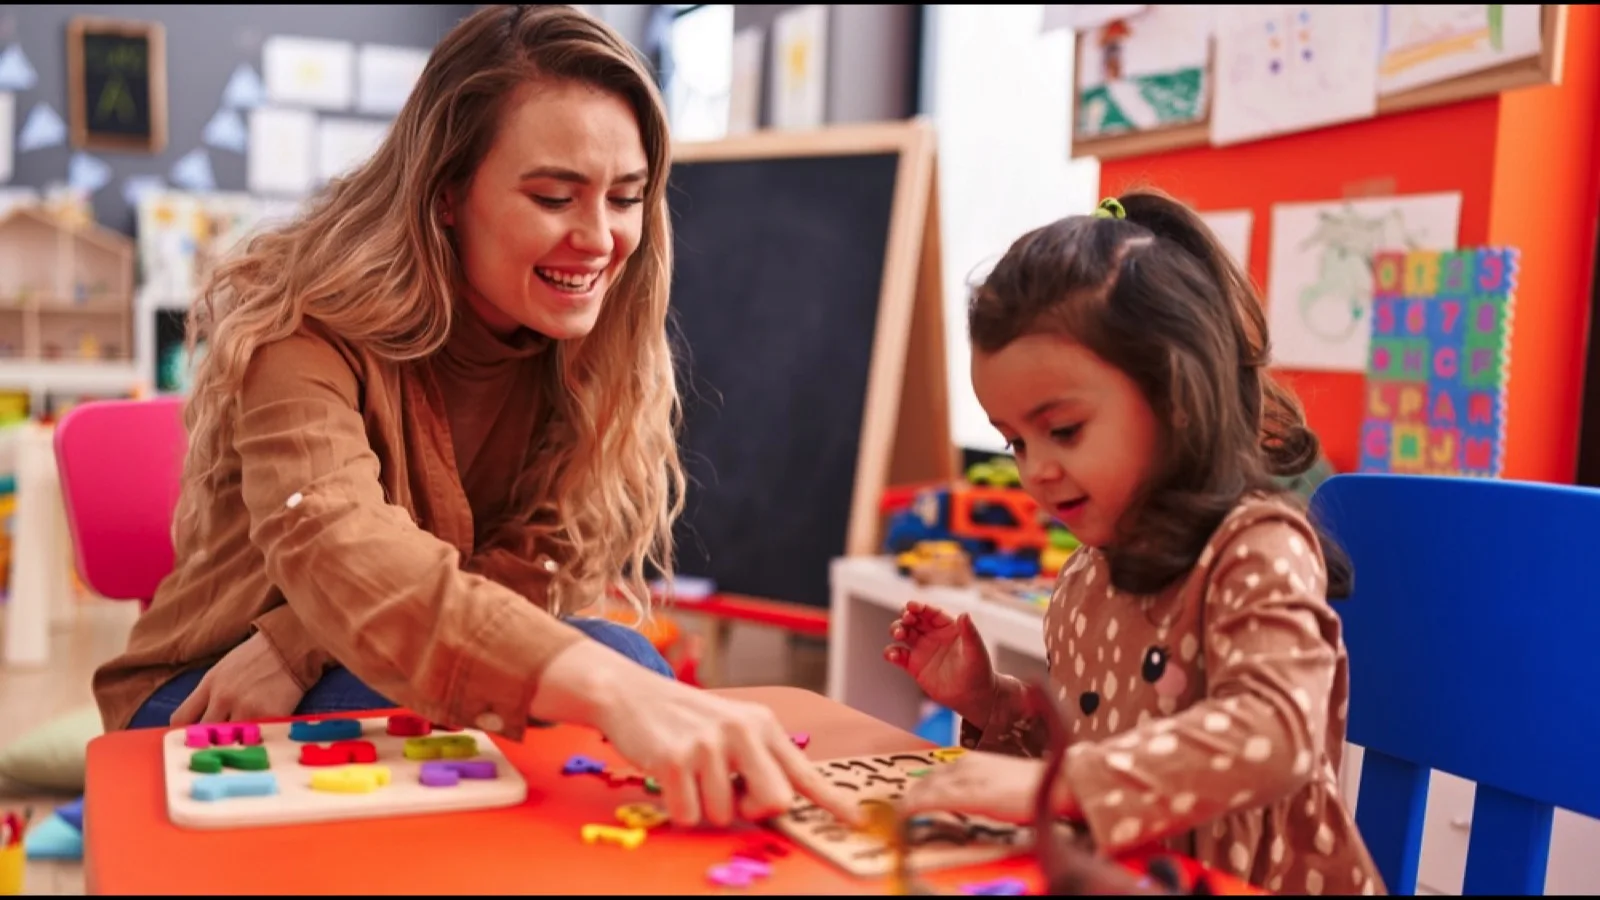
{"type": "Point", "coordinates": [385, 598]}
{"type": "Point", "coordinates": [510, 557]}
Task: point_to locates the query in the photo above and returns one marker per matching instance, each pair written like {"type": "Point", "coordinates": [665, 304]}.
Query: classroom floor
{"type": "Point", "coordinates": [99, 629]}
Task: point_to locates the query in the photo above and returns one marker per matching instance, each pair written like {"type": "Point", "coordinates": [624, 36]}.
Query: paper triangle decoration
{"type": "Point", "coordinates": [16, 73]}
{"type": "Point", "coordinates": [226, 131]}
{"type": "Point", "coordinates": [134, 187]}
{"type": "Point", "coordinates": [192, 171]}
{"type": "Point", "coordinates": [244, 90]}
{"type": "Point", "coordinates": [44, 128]}
{"type": "Point", "coordinates": [88, 173]}
{"type": "Point", "coordinates": [54, 838]}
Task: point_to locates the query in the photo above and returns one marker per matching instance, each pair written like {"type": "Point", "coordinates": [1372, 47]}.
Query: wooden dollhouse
{"type": "Point", "coordinates": [66, 291]}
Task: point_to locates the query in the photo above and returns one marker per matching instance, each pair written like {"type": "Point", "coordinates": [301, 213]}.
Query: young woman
{"type": "Point", "coordinates": [436, 415]}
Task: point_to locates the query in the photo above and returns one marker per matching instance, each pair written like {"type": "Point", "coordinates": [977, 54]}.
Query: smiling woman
{"type": "Point", "coordinates": [395, 488]}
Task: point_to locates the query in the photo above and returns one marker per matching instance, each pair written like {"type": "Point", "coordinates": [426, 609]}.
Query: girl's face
{"type": "Point", "coordinates": [1084, 437]}
{"type": "Point", "coordinates": [554, 210]}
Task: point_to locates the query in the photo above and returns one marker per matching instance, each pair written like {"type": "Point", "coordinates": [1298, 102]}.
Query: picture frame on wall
{"type": "Point", "coordinates": [117, 84]}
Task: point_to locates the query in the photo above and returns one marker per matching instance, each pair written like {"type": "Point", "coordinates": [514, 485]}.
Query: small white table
{"type": "Point", "coordinates": [867, 596]}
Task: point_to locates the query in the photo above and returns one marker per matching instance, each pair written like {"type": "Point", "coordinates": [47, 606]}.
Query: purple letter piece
{"type": "Point", "coordinates": [449, 772]}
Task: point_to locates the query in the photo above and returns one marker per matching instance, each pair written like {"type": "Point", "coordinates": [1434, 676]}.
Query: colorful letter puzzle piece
{"type": "Point", "coordinates": [800, 740]}
{"type": "Point", "coordinates": [738, 872]}
{"type": "Point", "coordinates": [583, 765]}
{"type": "Point", "coordinates": [442, 746]}
{"type": "Point", "coordinates": [642, 815]}
{"type": "Point", "coordinates": [449, 772]}
{"type": "Point", "coordinates": [350, 779]}
{"type": "Point", "coordinates": [220, 787]}
{"type": "Point", "coordinates": [338, 753]}
{"type": "Point", "coordinates": [324, 731]}
{"type": "Point", "coordinates": [948, 754]}
{"type": "Point", "coordinates": [1000, 887]}
{"type": "Point", "coordinates": [761, 851]}
{"type": "Point", "coordinates": [222, 734]}
{"type": "Point", "coordinates": [407, 725]}
{"type": "Point", "coordinates": [249, 759]}
{"type": "Point", "coordinates": [626, 838]}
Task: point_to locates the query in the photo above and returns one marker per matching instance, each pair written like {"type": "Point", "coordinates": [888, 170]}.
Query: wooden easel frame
{"type": "Point", "coordinates": [155, 35]}
{"type": "Point", "coordinates": [905, 426]}
{"type": "Point", "coordinates": [1541, 68]}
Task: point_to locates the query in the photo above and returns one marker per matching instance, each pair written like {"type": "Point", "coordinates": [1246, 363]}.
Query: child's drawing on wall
{"type": "Point", "coordinates": [1320, 277]}
{"type": "Point", "coordinates": [1144, 72]}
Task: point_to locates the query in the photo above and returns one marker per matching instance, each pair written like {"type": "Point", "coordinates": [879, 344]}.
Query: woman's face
{"type": "Point", "coordinates": [554, 210]}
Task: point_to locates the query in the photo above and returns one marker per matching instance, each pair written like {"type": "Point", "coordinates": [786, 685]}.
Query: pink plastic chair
{"type": "Point", "coordinates": [120, 463]}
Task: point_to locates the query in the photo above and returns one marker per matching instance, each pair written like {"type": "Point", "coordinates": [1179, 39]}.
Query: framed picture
{"type": "Point", "coordinates": [117, 84]}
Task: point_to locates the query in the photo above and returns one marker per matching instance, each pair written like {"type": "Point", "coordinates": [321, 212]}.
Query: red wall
{"type": "Point", "coordinates": [1525, 164]}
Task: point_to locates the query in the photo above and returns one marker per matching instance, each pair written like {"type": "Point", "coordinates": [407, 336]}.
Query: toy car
{"type": "Point", "coordinates": [936, 562]}
{"type": "Point", "coordinates": [1000, 471]}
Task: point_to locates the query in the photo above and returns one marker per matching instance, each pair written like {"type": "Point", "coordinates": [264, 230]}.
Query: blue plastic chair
{"type": "Point", "coordinates": [1474, 641]}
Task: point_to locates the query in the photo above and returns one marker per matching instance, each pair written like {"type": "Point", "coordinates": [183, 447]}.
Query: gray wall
{"type": "Point", "coordinates": [874, 54]}
{"type": "Point", "coordinates": [204, 46]}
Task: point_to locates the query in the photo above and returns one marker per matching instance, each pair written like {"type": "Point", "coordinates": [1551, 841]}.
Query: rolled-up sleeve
{"type": "Point", "coordinates": [384, 597]}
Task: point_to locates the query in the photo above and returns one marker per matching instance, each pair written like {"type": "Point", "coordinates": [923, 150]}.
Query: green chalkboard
{"type": "Point", "coordinates": [117, 82]}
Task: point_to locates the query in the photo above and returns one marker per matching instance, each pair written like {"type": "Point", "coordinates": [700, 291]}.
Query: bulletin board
{"type": "Point", "coordinates": [117, 84]}
{"type": "Point", "coordinates": [1543, 68]}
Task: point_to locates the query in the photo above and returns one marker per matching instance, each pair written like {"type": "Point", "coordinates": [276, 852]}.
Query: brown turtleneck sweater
{"type": "Point", "coordinates": [361, 520]}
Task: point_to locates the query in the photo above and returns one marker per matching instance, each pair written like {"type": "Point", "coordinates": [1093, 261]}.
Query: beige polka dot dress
{"type": "Point", "coordinates": [1210, 717]}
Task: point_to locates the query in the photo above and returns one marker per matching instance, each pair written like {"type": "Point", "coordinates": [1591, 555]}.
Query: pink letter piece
{"type": "Point", "coordinates": [800, 740]}
{"type": "Point", "coordinates": [222, 734]}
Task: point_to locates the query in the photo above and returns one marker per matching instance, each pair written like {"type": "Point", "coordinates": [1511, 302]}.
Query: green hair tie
{"type": "Point", "coordinates": [1110, 208]}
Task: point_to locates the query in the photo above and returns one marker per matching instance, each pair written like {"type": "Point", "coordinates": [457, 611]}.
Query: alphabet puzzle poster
{"type": "Point", "coordinates": [1438, 363]}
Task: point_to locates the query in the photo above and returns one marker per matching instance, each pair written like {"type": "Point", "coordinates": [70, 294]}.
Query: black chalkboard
{"type": "Point", "coordinates": [781, 268]}
{"type": "Point", "coordinates": [117, 84]}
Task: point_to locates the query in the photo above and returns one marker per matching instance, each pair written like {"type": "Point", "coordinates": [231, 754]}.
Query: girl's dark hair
{"type": "Point", "coordinates": [1155, 295]}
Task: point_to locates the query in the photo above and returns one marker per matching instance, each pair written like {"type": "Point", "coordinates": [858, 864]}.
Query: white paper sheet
{"type": "Point", "coordinates": [386, 77]}
{"type": "Point", "coordinates": [309, 72]}
{"type": "Point", "coordinates": [8, 127]}
{"type": "Point", "coordinates": [1427, 44]}
{"type": "Point", "coordinates": [1078, 17]}
{"type": "Point", "coordinates": [744, 89]}
{"type": "Point", "coordinates": [344, 144]}
{"type": "Point", "coordinates": [1145, 72]}
{"type": "Point", "coordinates": [1319, 286]}
{"type": "Point", "coordinates": [1281, 69]}
{"type": "Point", "coordinates": [799, 67]}
{"type": "Point", "coordinates": [702, 73]}
{"type": "Point", "coordinates": [282, 146]}
{"type": "Point", "coordinates": [1232, 228]}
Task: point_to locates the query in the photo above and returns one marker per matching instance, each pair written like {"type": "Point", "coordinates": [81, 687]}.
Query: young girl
{"type": "Point", "coordinates": [1193, 655]}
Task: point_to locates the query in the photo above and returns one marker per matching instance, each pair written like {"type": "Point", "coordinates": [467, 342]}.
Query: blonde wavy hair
{"type": "Point", "coordinates": [370, 261]}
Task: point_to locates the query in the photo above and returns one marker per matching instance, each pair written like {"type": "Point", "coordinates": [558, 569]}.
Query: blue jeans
{"type": "Point", "coordinates": [340, 691]}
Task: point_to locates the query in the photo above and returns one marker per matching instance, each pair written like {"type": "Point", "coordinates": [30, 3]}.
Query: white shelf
{"type": "Point", "coordinates": [67, 376]}
{"type": "Point", "coordinates": [868, 594]}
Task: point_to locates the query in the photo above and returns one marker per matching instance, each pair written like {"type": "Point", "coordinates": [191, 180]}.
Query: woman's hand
{"type": "Point", "coordinates": [1003, 788]}
{"type": "Point", "coordinates": [694, 743]}
{"type": "Point", "coordinates": [249, 683]}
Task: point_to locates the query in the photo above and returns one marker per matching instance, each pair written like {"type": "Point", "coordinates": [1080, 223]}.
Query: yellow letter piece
{"type": "Point", "coordinates": [626, 838]}
{"type": "Point", "coordinates": [641, 815]}
{"type": "Point", "coordinates": [350, 779]}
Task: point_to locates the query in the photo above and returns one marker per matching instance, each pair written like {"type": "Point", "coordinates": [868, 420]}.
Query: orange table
{"type": "Point", "coordinates": [133, 848]}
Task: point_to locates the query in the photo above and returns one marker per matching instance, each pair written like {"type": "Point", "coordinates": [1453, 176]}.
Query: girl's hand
{"type": "Point", "coordinates": [946, 657]}
{"type": "Point", "coordinates": [248, 684]}
{"type": "Point", "coordinates": [693, 742]}
{"type": "Point", "coordinates": [1003, 788]}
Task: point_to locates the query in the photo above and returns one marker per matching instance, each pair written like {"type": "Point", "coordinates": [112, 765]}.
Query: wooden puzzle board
{"type": "Point", "coordinates": [938, 841]}
{"type": "Point", "coordinates": [295, 801]}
